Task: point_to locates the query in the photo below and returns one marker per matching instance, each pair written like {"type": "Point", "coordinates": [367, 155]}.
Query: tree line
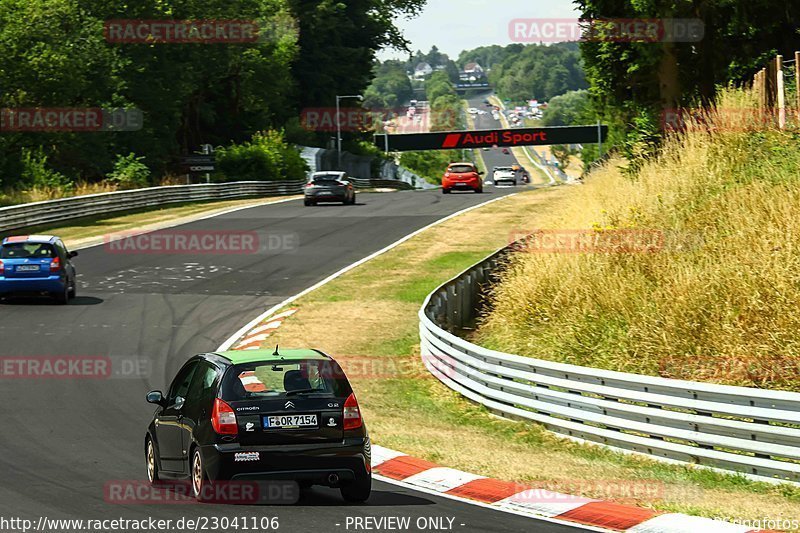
{"type": "Point", "coordinates": [57, 54]}
{"type": "Point", "coordinates": [633, 83]}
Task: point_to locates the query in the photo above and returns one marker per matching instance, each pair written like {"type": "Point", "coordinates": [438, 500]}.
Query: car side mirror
{"type": "Point", "coordinates": [155, 397]}
{"type": "Point", "coordinates": [73, 254]}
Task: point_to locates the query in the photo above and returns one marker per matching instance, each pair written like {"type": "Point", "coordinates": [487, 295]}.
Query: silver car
{"type": "Point", "coordinates": [330, 186]}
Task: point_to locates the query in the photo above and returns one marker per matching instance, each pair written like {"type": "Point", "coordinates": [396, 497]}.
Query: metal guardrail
{"type": "Point", "coordinates": [381, 184]}
{"type": "Point", "coordinates": [66, 209]}
{"type": "Point", "coordinates": [738, 429]}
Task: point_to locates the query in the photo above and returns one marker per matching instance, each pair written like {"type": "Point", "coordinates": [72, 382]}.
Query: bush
{"type": "Point", "coordinates": [267, 157]}
{"type": "Point", "coordinates": [129, 172]}
{"type": "Point", "coordinates": [37, 175]}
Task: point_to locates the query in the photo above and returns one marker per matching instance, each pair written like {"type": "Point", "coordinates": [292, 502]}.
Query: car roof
{"type": "Point", "coordinates": [238, 357]}
{"type": "Point", "coordinates": [464, 163]}
{"type": "Point", "coordinates": [39, 239]}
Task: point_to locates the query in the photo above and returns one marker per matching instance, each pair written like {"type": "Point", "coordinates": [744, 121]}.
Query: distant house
{"type": "Point", "coordinates": [422, 71]}
{"type": "Point", "coordinates": [473, 69]}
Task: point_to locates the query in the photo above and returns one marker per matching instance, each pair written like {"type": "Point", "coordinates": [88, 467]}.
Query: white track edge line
{"type": "Point", "coordinates": [253, 323]}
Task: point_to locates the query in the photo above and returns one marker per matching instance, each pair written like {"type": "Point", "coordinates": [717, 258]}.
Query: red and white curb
{"type": "Point", "coordinates": [536, 503]}
{"type": "Point", "coordinates": [260, 333]}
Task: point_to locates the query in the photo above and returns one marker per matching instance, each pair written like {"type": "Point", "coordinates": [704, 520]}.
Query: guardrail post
{"type": "Point", "coordinates": [452, 307]}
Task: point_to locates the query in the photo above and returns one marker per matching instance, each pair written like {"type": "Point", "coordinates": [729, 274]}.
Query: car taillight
{"type": "Point", "coordinates": [352, 414]}
{"type": "Point", "coordinates": [2, 269]}
{"type": "Point", "coordinates": [55, 264]}
{"type": "Point", "coordinates": [309, 186]}
{"type": "Point", "coordinates": [223, 419]}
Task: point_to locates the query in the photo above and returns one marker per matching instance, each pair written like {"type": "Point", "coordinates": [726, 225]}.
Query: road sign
{"type": "Point", "coordinates": [473, 85]}
{"type": "Point", "coordinates": [199, 163]}
{"type": "Point", "coordinates": [200, 159]}
{"type": "Point", "coordinates": [455, 140]}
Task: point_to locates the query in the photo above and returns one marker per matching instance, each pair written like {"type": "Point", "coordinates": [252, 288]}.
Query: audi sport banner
{"type": "Point", "coordinates": [454, 140]}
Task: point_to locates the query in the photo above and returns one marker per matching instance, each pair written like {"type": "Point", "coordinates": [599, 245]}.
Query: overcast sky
{"type": "Point", "coordinates": [456, 25]}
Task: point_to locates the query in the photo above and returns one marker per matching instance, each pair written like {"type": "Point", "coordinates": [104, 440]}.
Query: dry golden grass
{"type": "Point", "coordinates": [718, 302]}
{"type": "Point", "coordinates": [81, 188]}
{"type": "Point", "coordinates": [378, 346]}
{"type": "Point", "coordinates": [40, 194]}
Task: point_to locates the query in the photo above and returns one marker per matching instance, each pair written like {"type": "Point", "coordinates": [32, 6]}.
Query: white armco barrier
{"type": "Point", "coordinates": [750, 431]}
{"type": "Point", "coordinates": [65, 209]}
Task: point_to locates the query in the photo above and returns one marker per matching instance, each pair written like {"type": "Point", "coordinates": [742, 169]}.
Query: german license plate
{"type": "Point", "coordinates": [28, 268]}
{"type": "Point", "coordinates": [290, 421]}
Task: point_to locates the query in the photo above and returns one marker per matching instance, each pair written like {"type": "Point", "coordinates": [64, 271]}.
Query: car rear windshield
{"type": "Point", "coordinates": [27, 250]}
{"type": "Point", "coordinates": [326, 178]}
{"type": "Point", "coordinates": [273, 379]}
{"type": "Point", "coordinates": [462, 169]}
{"type": "Point", "coordinates": [504, 169]}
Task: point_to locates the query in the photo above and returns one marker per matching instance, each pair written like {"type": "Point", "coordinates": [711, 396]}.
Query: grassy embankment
{"type": "Point", "coordinates": [718, 302]}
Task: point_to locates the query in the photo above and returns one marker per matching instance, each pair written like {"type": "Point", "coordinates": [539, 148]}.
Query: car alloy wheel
{"type": "Point", "coordinates": [152, 470]}
{"type": "Point", "coordinates": [197, 475]}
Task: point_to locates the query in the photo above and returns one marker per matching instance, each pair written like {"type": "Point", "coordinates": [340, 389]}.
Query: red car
{"type": "Point", "coordinates": [462, 177]}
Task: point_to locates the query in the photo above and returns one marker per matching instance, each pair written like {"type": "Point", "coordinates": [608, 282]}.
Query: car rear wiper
{"type": "Point", "coordinates": [305, 391]}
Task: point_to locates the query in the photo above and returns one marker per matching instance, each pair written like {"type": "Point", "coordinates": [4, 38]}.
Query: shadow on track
{"type": "Point", "coordinates": [45, 301]}
{"type": "Point", "coordinates": [325, 497]}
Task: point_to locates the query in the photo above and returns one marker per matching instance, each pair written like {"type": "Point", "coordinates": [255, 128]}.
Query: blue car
{"type": "Point", "coordinates": [35, 265]}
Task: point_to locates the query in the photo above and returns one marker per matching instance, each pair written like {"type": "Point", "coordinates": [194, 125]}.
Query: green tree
{"type": "Point", "coordinates": [538, 71]}
{"type": "Point", "coordinates": [390, 87]}
{"type": "Point", "coordinates": [569, 109]}
{"type": "Point", "coordinates": [631, 78]}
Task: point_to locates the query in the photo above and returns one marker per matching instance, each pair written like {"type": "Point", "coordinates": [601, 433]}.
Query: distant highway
{"type": "Point", "coordinates": [493, 157]}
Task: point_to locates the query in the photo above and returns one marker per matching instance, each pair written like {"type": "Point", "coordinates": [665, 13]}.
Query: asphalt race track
{"type": "Point", "coordinates": [493, 157]}
{"type": "Point", "coordinates": [64, 440]}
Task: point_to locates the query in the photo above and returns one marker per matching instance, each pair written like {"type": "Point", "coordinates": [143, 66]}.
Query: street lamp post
{"type": "Point", "coordinates": [339, 124]}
